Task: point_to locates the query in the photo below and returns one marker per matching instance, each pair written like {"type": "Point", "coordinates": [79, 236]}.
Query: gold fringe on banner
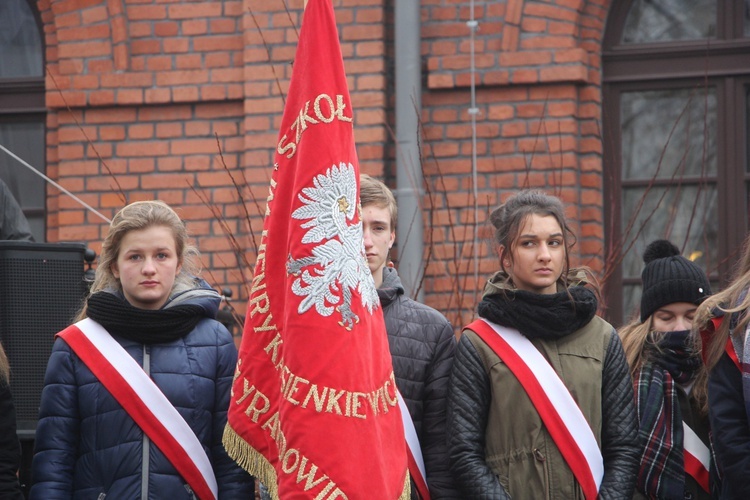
{"type": "Point", "coordinates": [257, 466]}
{"type": "Point", "coordinates": [406, 494]}
{"type": "Point", "coordinates": [249, 459]}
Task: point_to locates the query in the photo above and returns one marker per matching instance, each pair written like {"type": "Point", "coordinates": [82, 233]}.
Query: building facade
{"type": "Point", "coordinates": [635, 114]}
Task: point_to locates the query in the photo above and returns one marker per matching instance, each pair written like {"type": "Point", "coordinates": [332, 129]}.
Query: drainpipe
{"type": "Point", "coordinates": [409, 181]}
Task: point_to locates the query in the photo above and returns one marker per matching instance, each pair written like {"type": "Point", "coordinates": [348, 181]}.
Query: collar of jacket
{"type": "Point", "coordinates": [391, 287]}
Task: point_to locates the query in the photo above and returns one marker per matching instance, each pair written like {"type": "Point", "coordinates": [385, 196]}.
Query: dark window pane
{"type": "Point", "coordinates": [631, 302]}
{"type": "Point", "coordinates": [747, 18]}
{"type": "Point", "coordinates": [26, 140]}
{"type": "Point", "coordinates": [20, 42]}
{"type": "Point", "coordinates": [668, 134]}
{"type": "Point", "coordinates": [670, 20]}
{"type": "Point", "coordinates": [686, 215]}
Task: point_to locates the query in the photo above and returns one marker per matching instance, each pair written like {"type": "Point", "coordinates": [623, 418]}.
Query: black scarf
{"type": "Point", "coordinates": [536, 315]}
{"type": "Point", "coordinates": [145, 326]}
{"type": "Point", "coordinates": [674, 352]}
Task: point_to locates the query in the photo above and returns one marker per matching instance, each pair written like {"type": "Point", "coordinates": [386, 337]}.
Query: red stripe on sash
{"type": "Point", "coordinates": [136, 408]}
{"type": "Point", "coordinates": [729, 348]}
{"type": "Point", "coordinates": [695, 468]}
{"type": "Point", "coordinates": [416, 475]}
{"type": "Point", "coordinates": [550, 417]}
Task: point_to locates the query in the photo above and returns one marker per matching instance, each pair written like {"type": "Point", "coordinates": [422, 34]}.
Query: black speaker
{"type": "Point", "coordinates": [42, 288]}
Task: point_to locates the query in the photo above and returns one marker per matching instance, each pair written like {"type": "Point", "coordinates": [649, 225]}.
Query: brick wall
{"type": "Point", "coordinates": [142, 95]}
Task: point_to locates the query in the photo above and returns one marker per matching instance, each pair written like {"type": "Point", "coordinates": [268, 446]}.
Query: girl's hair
{"type": "Point", "coordinates": [728, 301]}
{"type": "Point", "coordinates": [139, 216]}
{"type": "Point", "coordinates": [4, 367]}
{"type": "Point", "coordinates": [634, 336]}
{"type": "Point", "coordinates": [508, 219]}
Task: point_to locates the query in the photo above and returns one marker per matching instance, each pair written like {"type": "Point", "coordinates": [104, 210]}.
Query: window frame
{"type": "Point", "coordinates": [722, 62]}
{"type": "Point", "coordinates": [24, 99]}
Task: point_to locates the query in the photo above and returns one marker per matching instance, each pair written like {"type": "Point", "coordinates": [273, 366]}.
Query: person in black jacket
{"type": "Point", "coordinates": [13, 223]}
{"type": "Point", "coordinates": [504, 437]}
{"type": "Point", "coordinates": [669, 377]}
{"type": "Point", "coordinates": [10, 449]}
{"type": "Point", "coordinates": [723, 320]}
{"type": "Point", "coordinates": [421, 340]}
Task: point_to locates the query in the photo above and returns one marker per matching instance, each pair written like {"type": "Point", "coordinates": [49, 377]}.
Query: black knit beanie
{"type": "Point", "coordinates": [669, 277]}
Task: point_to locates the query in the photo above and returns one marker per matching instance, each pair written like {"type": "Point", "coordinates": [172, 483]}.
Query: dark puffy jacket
{"type": "Point", "coordinates": [731, 436]}
{"type": "Point", "coordinates": [88, 447]}
{"type": "Point", "coordinates": [422, 345]}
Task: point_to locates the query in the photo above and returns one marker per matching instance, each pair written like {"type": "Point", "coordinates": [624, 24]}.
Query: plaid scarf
{"type": "Point", "coordinates": [671, 360]}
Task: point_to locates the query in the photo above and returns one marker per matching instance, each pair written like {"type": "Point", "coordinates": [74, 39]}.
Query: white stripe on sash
{"type": "Point", "coordinates": [410, 432]}
{"type": "Point", "coordinates": [695, 446]}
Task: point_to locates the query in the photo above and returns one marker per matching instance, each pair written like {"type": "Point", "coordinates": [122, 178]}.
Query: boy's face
{"type": "Point", "coordinates": [379, 236]}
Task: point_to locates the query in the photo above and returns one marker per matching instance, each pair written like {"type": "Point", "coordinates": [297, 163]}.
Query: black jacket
{"type": "Point", "coordinates": [731, 432]}
{"type": "Point", "coordinates": [422, 345]}
{"type": "Point", "coordinates": [10, 449]}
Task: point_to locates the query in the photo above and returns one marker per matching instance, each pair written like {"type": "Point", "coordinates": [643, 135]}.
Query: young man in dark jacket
{"type": "Point", "coordinates": [422, 342]}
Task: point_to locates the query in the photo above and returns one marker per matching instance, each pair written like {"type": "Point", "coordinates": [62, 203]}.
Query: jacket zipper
{"type": "Point", "coordinates": [146, 440]}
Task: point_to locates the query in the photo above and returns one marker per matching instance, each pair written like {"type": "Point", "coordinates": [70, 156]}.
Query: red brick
{"type": "Point", "coordinates": [141, 148]}
{"type": "Point", "coordinates": [181, 77]}
{"type": "Point", "coordinates": [158, 95]}
{"type": "Point", "coordinates": [195, 10]}
{"type": "Point", "coordinates": [185, 94]}
{"type": "Point", "coordinates": [146, 12]}
{"type": "Point", "coordinates": [205, 44]}
{"type": "Point", "coordinates": [166, 28]}
{"type": "Point", "coordinates": [187, 61]}
{"type": "Point", "coordinates": [141, 131]}
{"type": "Point", "coordinates": [221, 26]}
{"type": "Point", "coordinates": [169, 130]}
{"type": "Point", "coordinates": [145, 46]}
{"type": "Point", "coordinates": [88, 33]}
{"type": "Point", "coordinates": [176, 45]}
{"type": "Point", "coordinates": [129, 96]}
{"type": "Point", "coordinates": [112, 133]}
{"type": "Point", "coordinates": [194, 27]}
{"type": "Point", "coordinates": [87, 49]}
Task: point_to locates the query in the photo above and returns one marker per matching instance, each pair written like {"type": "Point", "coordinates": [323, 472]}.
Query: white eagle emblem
{"type": "Point", "coordinates": [338, 265]}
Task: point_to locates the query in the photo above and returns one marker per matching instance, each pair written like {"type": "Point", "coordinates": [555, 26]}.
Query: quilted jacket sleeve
{"type": "Point", "coordinates": [468, 406]}
{"type": "Point", "coordinates": [731, 439]}
{"type": "Point", "coordinates": [232, 480]}
{"type": "Point", "coordinates": [620, 448]}
{"type": "Point", "coordinates": [434, 446]}
{"type": "Point", "coordinates": [58, 429]}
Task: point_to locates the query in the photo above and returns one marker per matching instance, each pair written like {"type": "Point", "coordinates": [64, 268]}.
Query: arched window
{"type": "Point", "coordinates": [676, 87]}
{"type": "Point", "coordinates": [22, 108]}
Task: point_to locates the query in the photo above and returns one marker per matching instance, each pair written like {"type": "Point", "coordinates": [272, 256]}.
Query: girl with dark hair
{"type": "Point", "coordinates": [10, 449]}
{"type": "Point", "coordinates": [670, 378]}
{"type": "Point", "coordinates": [540, 402]}
{"type": "Point", "coordinates": [136, 393]}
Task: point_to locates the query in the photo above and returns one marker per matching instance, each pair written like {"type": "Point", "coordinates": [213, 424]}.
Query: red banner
{"type": "Point", "coordinates": [314, 412]}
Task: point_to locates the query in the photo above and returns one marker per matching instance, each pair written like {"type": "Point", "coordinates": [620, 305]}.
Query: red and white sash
{"type": "Point", "coordinates": [697, 457]}
{"type": "Point", "coordinates": [144, 402]}
{"type": "Point", "coordinates": [414, 451]}
{"type": "Point", "coordinates": [558, 410]}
